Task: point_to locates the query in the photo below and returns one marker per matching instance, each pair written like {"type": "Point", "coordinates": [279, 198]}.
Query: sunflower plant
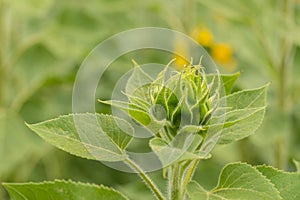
{"type": "Point", "coordinates": [188, 112]}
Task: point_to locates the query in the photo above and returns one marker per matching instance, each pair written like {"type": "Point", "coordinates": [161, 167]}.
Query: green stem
{"type": "Point", "coordinates": [149, 183]}
{"type": "Point", "coordinates": [287, 47]}
{"type": "Point", "coordinates": [189, 173]}
{"type": "Point", "coordinates": [180, 174]}
{"type": "Point", "coordinates": [279, 162]}
{"type": "Point", "coordinates": [2, 39]}
{"type": "Point", "coordinates": [271, 58]}
{"type": "Point", "coordinates": [174, 182]}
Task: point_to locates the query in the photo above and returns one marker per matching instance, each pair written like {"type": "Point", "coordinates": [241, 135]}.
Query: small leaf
{"type": "Point", "coordinates": [135, 111]}
{"type": "Point", "coordinates": [288, 184]}
{"type": "Point", "coordinates": [136, 82]}
{"type": "Point", "coordinates": [228, 80]}
{"type": "Point", "coordinates": [144, 117]}
{"type": "Point", "coordinates": [180, 149]}
{"type": "Point", "coordinates": [237, 181]}
{"type": "Point", "coordinates": [93, 136]}
{"type": "Point", "coordinates": [60, 190]}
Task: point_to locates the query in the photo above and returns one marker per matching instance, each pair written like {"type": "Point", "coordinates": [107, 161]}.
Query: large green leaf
{"type": "Point", "coordinates": [60, 189]}
{"type": "Point", "coordinates": [242, 127]}
{"type": "Point", "coordinates": [245, 114]}
{"type": "Point", "coordinates": [237, 181]}
{"type": "Point", "coordinates": [287, 183]}
{"type": "Point", "coordinates": [253, 98]}
{"type": "Point", "coordinates": [93, 136]}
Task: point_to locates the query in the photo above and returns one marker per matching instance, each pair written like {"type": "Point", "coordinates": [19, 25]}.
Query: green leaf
{"type": "Point", "coordinates": [228, 80]}
{"type": "Point", "coordinates": [180, 149]}
{"type": "Point", "coordinates": [288, 184]}
{"type": "Point", "coordinates": [137, 112]}
{"type": "Point", "coordinates": [246, 110]}
{"type": "Point", "coordinates": [60, 189]}
{"type": "Point", "coordinates": [15, 137]}
{"type": "Point", "coordinates": [138, 79]}
{"type": "Point", "coordinates": [93, 136]}
{"type": "Point", "coordinates": [253, 98]}
{"type": "Point", "coordinates": [297, 164]}
{"type": "Point", "coordinates": [242, 126]}
{"type": "Point", "coordinates": [196, 191]}
{"type": "Point", "coordinates": [168, 154]}
{"type": "Point", "coordinates": [237, 181]}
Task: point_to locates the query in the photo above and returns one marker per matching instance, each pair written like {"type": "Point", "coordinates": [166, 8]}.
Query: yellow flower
{"type": "Point", "coordinates": [222, 54]}
{"type": "Point", "coordinates": [181, 53]}
{"type": "Point", "coordinates": [203, 36]}
{"type": "Point", "coordinates": [181, 62]}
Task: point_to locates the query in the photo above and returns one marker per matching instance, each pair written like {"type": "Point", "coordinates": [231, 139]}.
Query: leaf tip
{"type": "Point", "coordinates": [134, 63]}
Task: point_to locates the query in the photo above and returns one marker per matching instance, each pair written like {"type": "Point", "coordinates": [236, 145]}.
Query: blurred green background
{"type": "Point", "coordinates": [43, 42]}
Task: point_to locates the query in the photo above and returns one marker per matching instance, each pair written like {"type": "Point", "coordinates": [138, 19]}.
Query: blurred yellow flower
{"type": "Point", "coordinates": [222, 53]}
{"type": "Point", "coordinates": [181, 62]}
{"type": "Point", "coordinates": [181, 53]}
{"type": "Point", "coordinates": [203, 36]}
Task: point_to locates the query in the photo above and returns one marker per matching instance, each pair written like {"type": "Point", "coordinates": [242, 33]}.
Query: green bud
{"type": "Point", "coordinates": [173, 102]}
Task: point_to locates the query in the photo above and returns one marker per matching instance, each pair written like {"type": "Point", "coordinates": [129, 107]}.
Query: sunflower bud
{"type": "Point", "coordinates": [172, 100]}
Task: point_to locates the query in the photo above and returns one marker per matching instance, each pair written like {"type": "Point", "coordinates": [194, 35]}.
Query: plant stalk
{"type": "Point", "coordinates": [2, 40]}
{"type": "Point", "coordinates": [287, 47]}
{"type": "Point", "coordinates": [192, 166]}
{"type": "Point", "coordinates": [174, 182]}
{"type": "Point", "coordinates": [179, 175]}
{"type": "Point", "coordinates": [147, 180]}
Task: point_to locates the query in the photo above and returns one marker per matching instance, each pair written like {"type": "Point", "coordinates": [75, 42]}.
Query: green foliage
{"type": "Point", "coordinates": [264, 55]}
{"type": "Point", "coordinates": [179, 109]}
{"type": "Point", "coordinates": [242, 180]}
{"type": "Point", "coordinates": [43, 41]}
{"type": "Point", "coordinates": [287, 183]}
{"type": "Point", "coordinates": [182, 148]}
{"type": "Point", "coordinates": [105, 142]}
{"type": "Point", "coordinates": [14, 134]}
{"type": "Point", "coordinates": [245, 114]}
{"type": "Point", "coordinates": [228, 81]}
{"type": "Point", "coordinates": [60, 189]}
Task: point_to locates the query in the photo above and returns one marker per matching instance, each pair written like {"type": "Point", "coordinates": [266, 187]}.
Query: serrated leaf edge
{"type": "Point", "coordinates": [6, 185]}
{"type": "Point", "coordinates": [33, 128]}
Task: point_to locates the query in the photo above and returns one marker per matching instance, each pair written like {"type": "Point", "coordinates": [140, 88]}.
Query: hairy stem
{"type": "Point", "coordinates": [174, 182]}
{"type": "Point", "coordinates": [179, 175]}
{"type": "Point", "coordinates": [147, 180]}
{"type": "Point", "coordinates": [189, 173]}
